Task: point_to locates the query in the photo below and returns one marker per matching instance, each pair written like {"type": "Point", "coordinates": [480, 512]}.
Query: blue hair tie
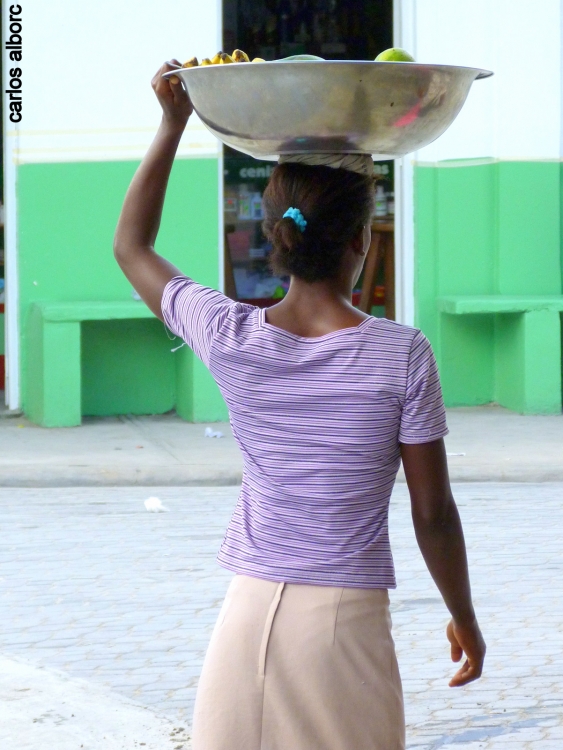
{"type": "Point", "coordinates": [297, 216]}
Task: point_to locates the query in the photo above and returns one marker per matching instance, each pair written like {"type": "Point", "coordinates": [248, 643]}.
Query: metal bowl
{"type": "Point", "coordinates": [381, 108]}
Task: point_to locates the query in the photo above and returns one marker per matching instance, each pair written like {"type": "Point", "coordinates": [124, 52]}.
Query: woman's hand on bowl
{"type": "Point", "coordinates": [172, 96]}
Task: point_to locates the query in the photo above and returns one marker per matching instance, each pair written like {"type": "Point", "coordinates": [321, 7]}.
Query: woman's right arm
{"type": "Point", "coordinates": [440, 537]}
{"type": "Point", "coordinates": [139, 221]}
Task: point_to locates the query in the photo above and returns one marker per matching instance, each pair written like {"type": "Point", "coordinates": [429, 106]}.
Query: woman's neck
{"type": "Point", "coordinates": [315, 309]}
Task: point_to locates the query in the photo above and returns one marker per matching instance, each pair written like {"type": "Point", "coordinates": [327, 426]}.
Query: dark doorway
{"type": "Point", "coordinates": [273, 29]}
{"type": "Point", "coordinates": [335, 29]}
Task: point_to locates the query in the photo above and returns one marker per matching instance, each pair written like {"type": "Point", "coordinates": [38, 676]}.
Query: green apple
{"type": "Point", "coordinates": [394, 54]}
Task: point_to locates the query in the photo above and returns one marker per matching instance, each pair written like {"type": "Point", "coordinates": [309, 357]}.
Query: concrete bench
{"type": "Point", "coordinates": [527, 346]}
{"type": "Point", "coordinates": [55, 350]}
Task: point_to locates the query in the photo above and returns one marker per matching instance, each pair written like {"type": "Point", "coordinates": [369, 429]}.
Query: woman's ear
{"type": "Point", "coordinates": [362, 240]}
{"type": "Point", "coordinates": [358, 243]}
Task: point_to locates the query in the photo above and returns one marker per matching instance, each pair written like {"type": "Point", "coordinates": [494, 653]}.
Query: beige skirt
{"type": "Point", "coordinates": [299, 667]}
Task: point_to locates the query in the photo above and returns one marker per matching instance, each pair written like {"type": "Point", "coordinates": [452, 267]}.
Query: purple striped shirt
{"type": "Point", "coordinates": [318, 421]}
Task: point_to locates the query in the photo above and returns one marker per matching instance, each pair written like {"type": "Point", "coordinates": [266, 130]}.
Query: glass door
{"type": "Point", "coordinates": [335, 30]}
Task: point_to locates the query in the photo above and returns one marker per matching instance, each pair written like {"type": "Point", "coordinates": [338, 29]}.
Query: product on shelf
{"type": "Point", "coordinates": [230, 204]}
{"type": "Point", "coordinates": [256, 206]}
{"type": "Point", "coordinates": [380, 201]}
{"type": "Point", "coordinates": [244, 204]}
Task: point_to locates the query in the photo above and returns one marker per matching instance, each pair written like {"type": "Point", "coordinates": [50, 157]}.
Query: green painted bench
{"type": "Point", "coordinates": [54, 354]}
{"type": "Point", "coordinates": [528, 346]}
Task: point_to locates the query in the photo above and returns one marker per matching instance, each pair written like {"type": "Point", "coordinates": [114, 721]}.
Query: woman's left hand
{"type": "Point", "coordinates": [172, 96]}
{"type": "Point", "coordinates": [466, 639]}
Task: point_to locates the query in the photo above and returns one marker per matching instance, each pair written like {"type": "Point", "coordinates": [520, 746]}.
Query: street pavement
{"type": "Point", "coordinates": [107, 610]}
{"type": "Point", "coordinates": [486, 443]}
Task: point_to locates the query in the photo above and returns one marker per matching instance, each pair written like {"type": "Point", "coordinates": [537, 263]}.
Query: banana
{"type": "Point", "coordinates": [258, 59]}
{"type": "Point", "coordinates": [216, 59]}
{"type": "Point", "coordinates": [240, 56]}
{"type": "Point", "coordinates": [193, 63]}
{"type": "Point", "coordinates": [225, 59]}
{"type": "Point", "coordinates": [206, 61]}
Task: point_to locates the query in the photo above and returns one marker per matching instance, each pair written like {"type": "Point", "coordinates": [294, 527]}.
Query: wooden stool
{"type": "Point", "coordinates": [382, 248]}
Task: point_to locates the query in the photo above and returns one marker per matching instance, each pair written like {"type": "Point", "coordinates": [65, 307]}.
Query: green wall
{"type": "Point", "coordinates": [483, 228]}
{"type": "Point", "coordinates": [67, 217]}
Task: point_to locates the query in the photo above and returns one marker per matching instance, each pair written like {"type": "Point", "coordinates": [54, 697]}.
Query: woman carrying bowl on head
{"type": "Point", "coordinates": [324, 403]}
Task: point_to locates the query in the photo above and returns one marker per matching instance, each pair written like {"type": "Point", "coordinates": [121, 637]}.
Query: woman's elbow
{"type": "Point", "coordinates": [435, 512]}
{"type": "Point", "coordinates": [122, 251]}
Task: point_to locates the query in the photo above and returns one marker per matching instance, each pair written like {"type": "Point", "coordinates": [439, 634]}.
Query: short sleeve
{"type": "Point", "coordinates": [423, 417]}
{"type": "Point", "coordinates": [195, 313]}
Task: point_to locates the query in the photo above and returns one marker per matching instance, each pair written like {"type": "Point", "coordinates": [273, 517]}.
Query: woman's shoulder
{"type": "Point", "coordinates": [400, 334]}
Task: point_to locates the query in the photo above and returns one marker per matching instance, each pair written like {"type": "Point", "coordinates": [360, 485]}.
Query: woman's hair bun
{"type": "Point", "coordinates": [288, 243]}
{"type": "Point", "coordinates": [336, 203]}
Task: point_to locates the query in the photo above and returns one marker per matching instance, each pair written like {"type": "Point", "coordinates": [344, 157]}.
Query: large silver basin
{"type": "Point", "coordinates": [380, 108]}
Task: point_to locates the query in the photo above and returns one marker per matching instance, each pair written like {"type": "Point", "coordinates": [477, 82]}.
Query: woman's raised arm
{"type": "Point", "coordinates": [140, 216]}
{"type": "Point", "coordinates": [440, 537]}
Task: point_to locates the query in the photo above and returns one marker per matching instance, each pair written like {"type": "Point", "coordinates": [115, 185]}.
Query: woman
{"type": "Point", "coordinates": [324, 403]}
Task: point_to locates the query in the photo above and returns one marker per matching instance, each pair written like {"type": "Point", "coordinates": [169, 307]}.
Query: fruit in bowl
{"type": "Point", "coordinates": [239, 56]}
{"type": "Point", "coordinates": [221, 58]}
{"type": "Point", "coordinates": [394, 54]}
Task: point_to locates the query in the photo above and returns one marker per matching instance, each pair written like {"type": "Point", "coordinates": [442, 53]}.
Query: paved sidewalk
{"type": "Point", "coordinates": [106, 605]}
{"type": "Point", "coordinates": [485, 443]}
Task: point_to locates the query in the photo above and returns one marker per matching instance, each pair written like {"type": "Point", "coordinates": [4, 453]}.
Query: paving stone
{"type": "Point", "coordinates": [130, 602]}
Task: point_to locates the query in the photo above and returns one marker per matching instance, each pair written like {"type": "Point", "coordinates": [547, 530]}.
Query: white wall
{"type": "Point", "coordinates": [517, 113]}
{"type": "Point", "coordinates": [87, 69]}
